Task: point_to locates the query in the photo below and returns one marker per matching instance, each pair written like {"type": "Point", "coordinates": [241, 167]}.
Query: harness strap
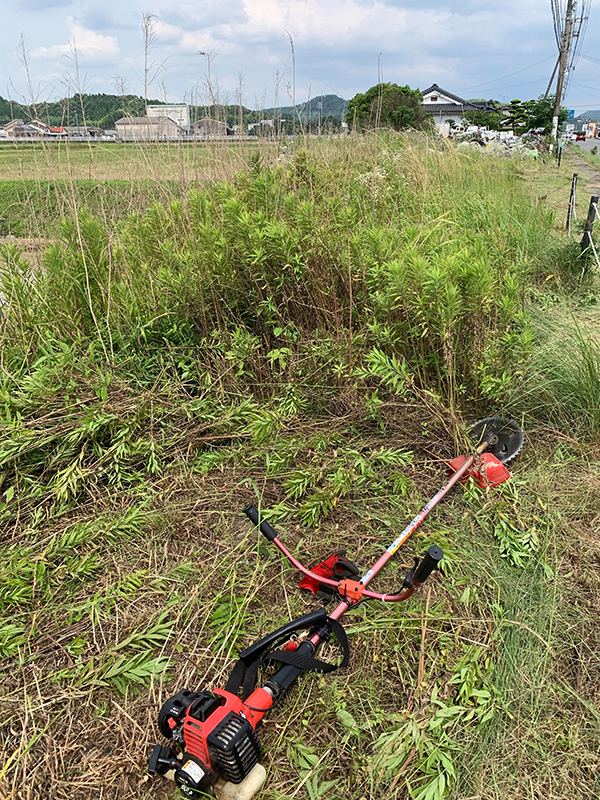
{"type": "Point", "coordinates": [246, 675]}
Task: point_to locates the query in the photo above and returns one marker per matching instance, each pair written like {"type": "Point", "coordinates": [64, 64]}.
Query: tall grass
{"type": "Point", "coordinates": [562, 382]}
{"type": "Point", "coordinates": [382, 244]}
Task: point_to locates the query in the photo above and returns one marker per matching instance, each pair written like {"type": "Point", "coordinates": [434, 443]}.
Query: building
{"type": "Point", "coordinates": [210, 129]}
{"type": "Point", "coordinates": [179, 113]}
{"type": "Point", "coordinates": [17, 130]}
{"type": "Point", "coordinates": [147, 129]}
{"type": "Point", "coordinates": [83, 132]}
{"type": "Point", "coordinates": [37, 129]}
{"type": "Point", "coordinates": [446, 107]}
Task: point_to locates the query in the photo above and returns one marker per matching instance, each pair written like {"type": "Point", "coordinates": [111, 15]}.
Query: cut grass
{"type": "Point", "coordinates": [190, 583]}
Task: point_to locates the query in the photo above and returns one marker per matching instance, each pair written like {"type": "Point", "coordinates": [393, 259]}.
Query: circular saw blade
{"type": "Point", "coordinates": [505, 438]}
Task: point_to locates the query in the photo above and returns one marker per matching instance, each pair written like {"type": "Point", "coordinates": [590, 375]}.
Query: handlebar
{"type": "Point", "coordinates": [426, 567]}
{"type": "Point", "coordinates": [432, 558]}
{"type": "Point", "coordinates": [267, 530]}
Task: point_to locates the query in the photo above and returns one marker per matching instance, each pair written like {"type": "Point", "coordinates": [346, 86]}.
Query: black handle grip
{"type": "Point", "coordinates": [432, 558]}
{"type": "Point", "coordinates": [268, 531]}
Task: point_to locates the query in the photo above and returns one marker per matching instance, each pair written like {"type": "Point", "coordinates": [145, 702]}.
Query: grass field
{"type": "Point", "coordinates": [115, 161]}
{"type": "Point", "coordinates": [309, 329]}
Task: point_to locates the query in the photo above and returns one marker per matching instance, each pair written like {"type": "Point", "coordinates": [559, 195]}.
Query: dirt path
{"type": "Point", "coordinates": [33, 248]}
{"type": "Point", "coordinates": [589, 176]}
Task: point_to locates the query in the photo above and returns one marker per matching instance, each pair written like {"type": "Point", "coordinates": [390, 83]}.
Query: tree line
{"type": "Point", "coordinates": [386, 105]}
{"type": "Point", "coordinates": [103, 110]}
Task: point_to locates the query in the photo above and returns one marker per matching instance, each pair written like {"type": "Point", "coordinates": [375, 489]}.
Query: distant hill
{"type": "Point", "coordinates": [332, 106]}
{"type": "Point", "coordinates": [104, 109]}
{"type": "Point", "coordinates": [97, 109]}
{"type": "Point", "coordinates": [592, 116]}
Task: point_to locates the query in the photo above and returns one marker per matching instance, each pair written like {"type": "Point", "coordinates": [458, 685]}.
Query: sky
{"type": "Point", "coordinates": [475, 49]}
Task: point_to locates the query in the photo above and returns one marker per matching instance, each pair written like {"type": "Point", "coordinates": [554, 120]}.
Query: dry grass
{"type": "Point", "coordinates": [68, 738]}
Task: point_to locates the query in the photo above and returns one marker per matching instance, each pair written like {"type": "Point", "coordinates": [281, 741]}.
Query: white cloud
{"type": "Point", "coordinates": [457, 43]}
{"type": "Point", "coordinates": [170, 34]}
{"type": "Point", "coordinates": [352, 25]}
{"type": "Point", "coordinates": [88, 45]}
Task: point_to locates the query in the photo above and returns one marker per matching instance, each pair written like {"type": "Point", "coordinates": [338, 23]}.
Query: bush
{"type": "Point", "coordinates": [423, 255]}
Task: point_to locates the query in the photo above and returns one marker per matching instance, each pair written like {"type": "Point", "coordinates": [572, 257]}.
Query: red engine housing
{"type": "Point", "coordinates": [197, 726]}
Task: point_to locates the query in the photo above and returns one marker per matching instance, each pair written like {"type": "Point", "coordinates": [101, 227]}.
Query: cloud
{"type": "Point", "coordinates": [456, 43]}
{"type": "Point", "coordinates": [208, 14]}
{"type": "Point", "coordinates": [96, 18]}
{"type": "Point", "coordinates": [406, 29]}
{"type": "Point", "coordinates": [169, 34]}
{"type": "Point", "coordinates": [88, 44]}
{"type": "Point", "coordinates": [42, 5]}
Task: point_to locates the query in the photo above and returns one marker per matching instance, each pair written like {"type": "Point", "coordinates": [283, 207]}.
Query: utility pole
{"type": "Point", "coordinates": [562, 65]}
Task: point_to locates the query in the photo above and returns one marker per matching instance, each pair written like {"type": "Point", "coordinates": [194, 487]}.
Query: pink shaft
{"type": "Point", "coordinates": [341, 609]}
{"type": "Point", "coordinates": [415, 522]}
{"type": "Point", "coordinates": [383, 559]}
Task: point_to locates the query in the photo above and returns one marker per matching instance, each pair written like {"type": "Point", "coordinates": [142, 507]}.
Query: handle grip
{"type": "Point", "coordinates": [432, 558]}
{"type": "Point", "coordinates": [267, 530]}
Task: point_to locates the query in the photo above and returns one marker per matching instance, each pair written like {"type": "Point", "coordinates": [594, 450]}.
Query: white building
{"type": "Point", "coordinates": [179, 113]}
{"type": "Point", "coordinates": [445, 106]}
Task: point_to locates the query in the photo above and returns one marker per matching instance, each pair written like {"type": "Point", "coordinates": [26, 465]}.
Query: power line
{"type": "Point", "coordinates": [516, 85]}
{"type": "Point", "coordinates": [557, 16]}
{"type": "Point", "coordinates": [505, 76]}
{"type": "Point", "coordinates": [585, 86]}
{"type": "Point", "coordinates": [579, 28]}
{"type": "Point", "coordinates": [590, 58]}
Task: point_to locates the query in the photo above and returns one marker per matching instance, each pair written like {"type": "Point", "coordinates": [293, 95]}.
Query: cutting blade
{"type": "Point", "coordinates": [504, 437]}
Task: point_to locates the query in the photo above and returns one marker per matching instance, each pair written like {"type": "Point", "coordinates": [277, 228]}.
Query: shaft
{"type": "Point", "coordinates": [415, 522]}
{"type": "Point", "coordinates": [280, 682]}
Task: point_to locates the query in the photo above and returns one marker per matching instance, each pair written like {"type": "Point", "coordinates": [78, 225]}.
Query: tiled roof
{"type": "Point", "coordinates": [435, 88]}
{"type": "Point", "coordinates": [448, 108]}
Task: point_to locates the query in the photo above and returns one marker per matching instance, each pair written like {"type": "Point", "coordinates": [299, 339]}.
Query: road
{"type": "Point", "coordinates": [588, 144]}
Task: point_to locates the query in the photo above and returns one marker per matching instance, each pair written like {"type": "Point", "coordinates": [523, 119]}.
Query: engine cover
{"type": "Point", "coordinates": [213, 738]}
{"type": "Point", "coordinates": [193, 776]}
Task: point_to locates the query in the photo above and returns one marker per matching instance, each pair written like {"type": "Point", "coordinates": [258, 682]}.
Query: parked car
{"type": "Point", "coordinates": [580, 136]}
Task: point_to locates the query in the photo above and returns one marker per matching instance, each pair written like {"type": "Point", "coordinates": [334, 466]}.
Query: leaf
{"type": "Point", "coordinates": [349, 722]}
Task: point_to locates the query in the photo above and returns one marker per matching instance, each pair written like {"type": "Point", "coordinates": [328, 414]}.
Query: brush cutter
{"type": "Point", "coordinates": [215, 747]}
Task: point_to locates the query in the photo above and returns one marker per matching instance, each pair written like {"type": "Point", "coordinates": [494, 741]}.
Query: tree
{"type": "Point", "coordinates": [543, 111]}
{"type": "Point", "coordinates": [528, 114]}
{"type": "Point", "coordinates": [483, 119]}
{"type": "Point", "coordinates": [388, 105]}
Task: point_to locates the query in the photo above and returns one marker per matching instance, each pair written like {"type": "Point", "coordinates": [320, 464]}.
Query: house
{"type": "Point", "coordinates": [16, 130]}
{"type": "Point", "coordinates": [86, 132]}
{"type": "Point", "coordinates": [266, 128]}
{"type": "Point", "coordinates": [147, 129]}
{"type": "Point", "coordinates": [210, 129]}
{"type": "Point", "coordinates": [43, 128]}
{"type": "Point", "coordinates": [445, 106]}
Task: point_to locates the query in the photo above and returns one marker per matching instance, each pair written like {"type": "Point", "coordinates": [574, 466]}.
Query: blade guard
{"type": "Point", "coordinates": [487, 470]}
